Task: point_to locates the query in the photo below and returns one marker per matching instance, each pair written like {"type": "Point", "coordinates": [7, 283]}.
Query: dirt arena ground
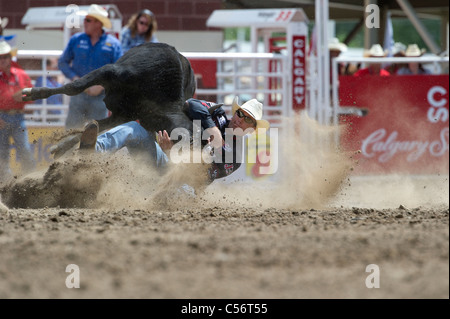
{"type": "Point", "coordinates": [312, 233]}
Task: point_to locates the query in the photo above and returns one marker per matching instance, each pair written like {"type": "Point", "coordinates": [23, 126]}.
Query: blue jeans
{"type": "Point", "coordinates": [83, 107]}
{"type": "Point", "coordinates": [136, 139]}
{"type": "Point", "coordinates": [14, 126]}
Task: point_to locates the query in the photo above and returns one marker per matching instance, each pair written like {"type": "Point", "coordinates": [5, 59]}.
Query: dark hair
{"type": "Point", "coordinates": [151, 28]}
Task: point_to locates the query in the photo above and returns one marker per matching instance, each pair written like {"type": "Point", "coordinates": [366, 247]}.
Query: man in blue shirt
{"type": "Point", "coordinates": [85, 52]}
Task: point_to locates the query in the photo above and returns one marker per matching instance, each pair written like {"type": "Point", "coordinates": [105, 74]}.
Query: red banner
{"type": "Point", "coordinates": [406, 129]}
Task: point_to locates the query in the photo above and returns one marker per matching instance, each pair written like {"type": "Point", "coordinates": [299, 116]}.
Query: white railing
{"type": "Point", "coordinates": [438, 66]}
{"type": "Point", "coordinates": [247, 75]}
{"type": "Point", "coordinates": [44, 114]}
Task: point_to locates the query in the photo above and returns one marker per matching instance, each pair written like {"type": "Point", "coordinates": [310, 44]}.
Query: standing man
{"type": "Point", "coordinates": [85, 52]}
{"type": "Point", "coordinates": [12, 119]}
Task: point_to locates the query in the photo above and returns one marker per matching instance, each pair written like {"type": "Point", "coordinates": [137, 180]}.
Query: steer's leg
{"type": "Point", "coordinates": [96, 77]}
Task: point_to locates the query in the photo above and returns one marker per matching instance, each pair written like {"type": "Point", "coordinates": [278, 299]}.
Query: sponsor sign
{"type": "Point", "coordinates": [40, 142]}
{"type": "Point", "coordinates": [262, 154]}
{"type": "Point", "coordinates": [298, 72]}
{"type": "Point", "coordinates": [407, 126]}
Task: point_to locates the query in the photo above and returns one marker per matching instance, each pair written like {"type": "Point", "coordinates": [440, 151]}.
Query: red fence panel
{"type": "Point", "coordinates": [407, 126]}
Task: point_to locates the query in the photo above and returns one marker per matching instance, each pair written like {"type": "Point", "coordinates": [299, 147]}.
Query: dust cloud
{"type": "Point", "coordinates": [393, 191]}
{"type": "Point", "coordinates": [312, 173]}
{"type": "Point", "coordinates": [311, 170]}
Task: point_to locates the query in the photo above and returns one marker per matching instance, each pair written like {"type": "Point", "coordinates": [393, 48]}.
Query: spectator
{"type": "Point", "coordinates": [336, 48]}
{"type": "Point", "coordinates": [397, 52]}
{"type": "Point", "coordinates": [85, 52]}
{"type": "Point", "coordinates": [413, 68]}
{"type": "Point", "coordinates": [12, 119]}
{"type": "Point", "coordinates": [10, 39]}
{"type": "Point", "coordinates": [51, 82]}
{"type": "Point", "coordinates": [376, 51]}
{"type": "Point", "coordinates": [140, 29]}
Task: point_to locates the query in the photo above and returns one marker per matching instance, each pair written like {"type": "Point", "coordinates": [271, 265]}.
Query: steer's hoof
{"type": "Point", "coordinates": [66, 144]}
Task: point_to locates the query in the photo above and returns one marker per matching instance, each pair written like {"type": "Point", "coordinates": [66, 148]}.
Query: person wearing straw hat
{"type": "Point", "coordinates": [10, 39]}
{"type": "Point", "coordinates": [12, 119]}
{"type": "Point", "coordinates": [413, 68]}
{"type": "Point", "coordinates": [335, 49]}
{"type": "Point", "coordinates": [85, 52]}
{"type": "Point", "coordinates": [398, 51]}
{"type": "Point", "coordinates": [140, 29]}
{"type": "Point", "coordinates": [376, 51]}
{"type": "Point", "coordinates": [246, 119]}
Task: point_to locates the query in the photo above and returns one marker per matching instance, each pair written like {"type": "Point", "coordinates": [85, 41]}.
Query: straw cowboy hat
{"type": "Point", "coordinates": [335, 45]}
{"type": "Point", "coordinates": [414, 51]}
{"type": "Point", "coordinates": [254, 109]}
{"type": "Point", "coordinates": [98, 13]}
{"type": "Point", "coordinates": [376, 51]}
{"type": "Point", "coordinates": [3, 22]}
{"type": "Point", "coordinates": [5, 48]}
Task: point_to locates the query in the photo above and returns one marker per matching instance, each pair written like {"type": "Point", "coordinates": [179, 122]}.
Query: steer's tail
{"type": "Point", "coordinates": [96, 77]}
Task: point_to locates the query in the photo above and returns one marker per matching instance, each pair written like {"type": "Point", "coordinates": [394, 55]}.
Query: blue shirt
{"type": "Point", "coordinates": [129, 42]}
{"type": "Point", "coordinates": [80, 57]}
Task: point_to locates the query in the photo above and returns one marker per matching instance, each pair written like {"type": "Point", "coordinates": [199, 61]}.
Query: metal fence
{"type": "Point", "coordinates": [263, 76]}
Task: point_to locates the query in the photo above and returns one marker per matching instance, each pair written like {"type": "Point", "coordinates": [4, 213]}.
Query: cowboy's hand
{"type": "Point", "coordinates": [2, 124]}
{"type": "Point", "coordinates": [164, 141]}
{"type": "Point", "coordinates": [94, 90]}
{"type": "Point", "coordinates": [17, 96]}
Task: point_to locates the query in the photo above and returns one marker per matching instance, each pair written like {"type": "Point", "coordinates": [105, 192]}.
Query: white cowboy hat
{"type": "Point", "coordinates": [414, 51]}
{"type": "Point", "coordinates": [98, 13]}
{"type": "Point", "coordinates": [3, 22]}
{"type": "Point", "coordinates": [335, 45]}
{"type": "Point", "coordinates": [377, 51]}
{"type": "Point", "coordinates": [254, 108]}
{"type": "Point", "coordinates": [5, 48]}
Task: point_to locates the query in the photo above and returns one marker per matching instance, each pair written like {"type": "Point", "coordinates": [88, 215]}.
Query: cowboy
{"type": "Point", "coordinates": [85, 52]}
{"type": "Point", "coordinates": [12, 119]}
{"type": "Point", "coordinates": [376, 51]}
{"type": "Point", "coordinates": [246, 119]}
{"type": "Point", "coordinates": [10, 39]}
{"type": "Point", "coordinates": [335, 49]}
{"type": "Point", "coordinates": [398, 51]}
{"type": "Point", "coordinates": [413, 68]}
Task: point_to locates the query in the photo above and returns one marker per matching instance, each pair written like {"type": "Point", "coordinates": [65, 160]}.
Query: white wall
{"type": "Point", "coordinates": [189, 41]}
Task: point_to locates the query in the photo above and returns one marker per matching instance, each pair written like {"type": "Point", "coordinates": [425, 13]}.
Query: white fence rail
{"type": "Point", "coordinates": [44, 114]}
{"type": "Point", "coordinates": [437, 65]}
{"type": "Point", "coordinates": [248, 75]}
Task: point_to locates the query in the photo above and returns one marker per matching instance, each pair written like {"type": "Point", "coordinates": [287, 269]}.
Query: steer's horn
{"type": "Point", "coordinates": [214, 107]}
{"type": "Point", "coordinates": [26, 94]}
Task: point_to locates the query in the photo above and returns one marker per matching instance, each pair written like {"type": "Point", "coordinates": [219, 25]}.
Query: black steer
{"type": "Point", "coordinates": [149, 83]}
